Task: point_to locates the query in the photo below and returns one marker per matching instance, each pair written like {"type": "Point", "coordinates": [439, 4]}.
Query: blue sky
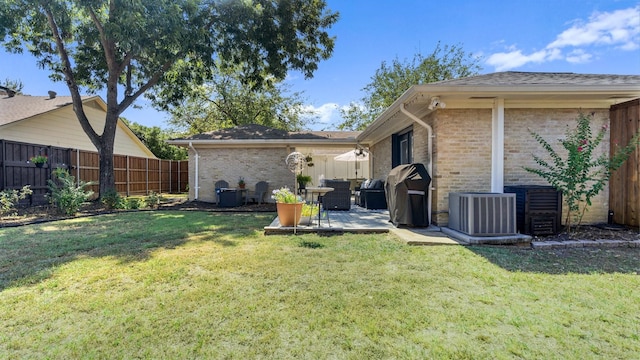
{"type": "Point", "coordinates": [580, 36]}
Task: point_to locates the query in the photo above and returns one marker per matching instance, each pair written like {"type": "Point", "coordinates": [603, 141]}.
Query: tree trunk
{"type": "Point", "coordinates": [107, 140]}
{"type": "Point", "coordinates": [107, 176]}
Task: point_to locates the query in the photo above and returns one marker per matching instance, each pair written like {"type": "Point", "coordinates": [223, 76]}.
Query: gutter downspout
{"type": "Point", "coordinates": [430, 137]}
{"type": "Point", "coordinates": [196, 186]}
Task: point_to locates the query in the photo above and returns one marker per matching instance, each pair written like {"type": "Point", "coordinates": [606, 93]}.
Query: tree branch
{"type": "Point", "coordinates": [71, 82]}
{"type": "Point", "coordinates": [106, 44]}
{"type": "Point", "coordinates": [129, 99]}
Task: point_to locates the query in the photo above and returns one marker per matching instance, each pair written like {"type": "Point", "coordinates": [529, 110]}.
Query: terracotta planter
{"type": "Point", "coordinates": [289, 214]}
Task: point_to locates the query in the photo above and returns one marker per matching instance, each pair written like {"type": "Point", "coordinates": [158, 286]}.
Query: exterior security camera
{"type": "Point", "coordinates": [436, 103]}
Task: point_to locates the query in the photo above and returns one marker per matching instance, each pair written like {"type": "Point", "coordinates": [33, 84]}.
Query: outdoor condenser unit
{"type": "Point", "coordinates": [483, 214]}
{"type": "Point", "coordinates": [538, 208]}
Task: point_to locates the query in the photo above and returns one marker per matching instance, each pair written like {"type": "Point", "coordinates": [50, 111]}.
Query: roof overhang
{"type": "Point", "coordinates": [262, 143]}
{"type": "Point", "coordinates": [417, 100]}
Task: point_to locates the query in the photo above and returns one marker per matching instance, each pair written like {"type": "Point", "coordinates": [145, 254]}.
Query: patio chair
{"type": "Point", "coordinates": [262, 187]}
{"type": "Point", "coordinates": [220, 184]}
{"type": "Point", "coordinates": [339, 198]}
{"type": "Point", "coordinates": [371, 195]}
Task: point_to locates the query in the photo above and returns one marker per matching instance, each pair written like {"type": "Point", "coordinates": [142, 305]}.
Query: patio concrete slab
{"type": "Point", "coordinates": [356, 220]}
{"type": "Point", "coordinates": [516, 239]}
{"type": "Point", "coordinates": [425, 236]}
{"type": "Point", "coordinates": [359, 220]}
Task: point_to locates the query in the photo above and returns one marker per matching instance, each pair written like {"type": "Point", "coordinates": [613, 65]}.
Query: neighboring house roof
{"type": "Point", "coordinates": [516, 89]}
{"type": "Point", "coordinates": [262, 135]}
{"type": "Point", "coordinates": [20, 108]}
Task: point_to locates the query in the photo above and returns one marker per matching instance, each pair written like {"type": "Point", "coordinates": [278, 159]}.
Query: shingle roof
{"type": "Point", "coordinates": [260, 132]}
{"type": "Point", "coordinates": [543, 78]}
{"type": "Point", "coordinates": [22, 107]}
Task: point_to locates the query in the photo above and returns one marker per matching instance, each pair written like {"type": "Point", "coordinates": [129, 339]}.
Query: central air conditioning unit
{"type": "Point", "coordinates": [483, 214]}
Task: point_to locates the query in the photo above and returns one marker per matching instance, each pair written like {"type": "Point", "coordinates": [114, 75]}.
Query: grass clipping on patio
{"type": "Point", "coordinates": [204, 285]}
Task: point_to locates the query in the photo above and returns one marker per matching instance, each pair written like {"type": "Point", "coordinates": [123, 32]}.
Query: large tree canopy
{"type": "Point", "coordinates": [130, 47]}
{"type": "Point", "coordinates": [156, 140]}
{"type": "Point", "coordinates": [227, 101]}
{"type": "Point", "coordinates": [392, 80]}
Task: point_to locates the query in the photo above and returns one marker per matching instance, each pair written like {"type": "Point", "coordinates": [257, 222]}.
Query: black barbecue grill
{"type": "Point", "coordinates": [407, 192]}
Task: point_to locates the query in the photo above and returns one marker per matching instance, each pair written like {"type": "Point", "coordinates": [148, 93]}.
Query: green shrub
{"type": "Point", "coordinates": [134, 203]}
{"type": "Point", "coordinates": [65, 194]}
{"type": "Point", "coordinates": [113, 200]}
{"type": "Point", "coordinates": [10, 197]}
{"type": "Point", "coordinates": [153, 199]}
{"type": "Point", "coordinates": [580, 175]}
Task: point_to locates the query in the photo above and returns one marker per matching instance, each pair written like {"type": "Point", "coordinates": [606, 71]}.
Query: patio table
{"type": "Point", "coordinates": [319, 192]}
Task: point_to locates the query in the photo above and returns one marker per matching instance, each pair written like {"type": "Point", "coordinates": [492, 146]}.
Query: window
{"type": "Point", "coordinates": [402, 147]}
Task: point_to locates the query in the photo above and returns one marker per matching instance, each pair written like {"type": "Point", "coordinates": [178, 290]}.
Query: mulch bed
{"type": "Point", "coordinates": [595, 232]}
{"type": "Point", "coordinates": [38, 214]}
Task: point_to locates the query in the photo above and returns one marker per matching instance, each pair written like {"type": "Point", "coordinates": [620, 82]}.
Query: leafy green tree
{"type": "Point", "coordinates": [156, 140]}
{"type": "Point", "coordinates": [131, 47]}
{"type": "Point", "coordinates": [12, 85]}
{"type": "Point", "coordinates": [226, 101]}
{"type": "Point", "coordinates": [392, 80]}
{"type": "Point", "coordinates": [579, 175]}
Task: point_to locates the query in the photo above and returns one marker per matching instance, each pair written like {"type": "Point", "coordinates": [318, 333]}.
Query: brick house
{"type": "Point", "coordinates": [473, 133]}
{"type": "Point", "coordinates": [258, 153]}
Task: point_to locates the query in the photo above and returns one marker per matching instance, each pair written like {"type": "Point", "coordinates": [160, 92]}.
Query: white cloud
{"type": "Point", "coordinates": [514, 59]}
{"type": "Point", "coordinates": [620, 28]}
{"type": "Point", "coordinates": [326, 113]}
{"type": "Point", "coordinates": [578, 56]}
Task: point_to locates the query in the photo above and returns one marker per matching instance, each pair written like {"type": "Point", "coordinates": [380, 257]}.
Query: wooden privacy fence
{"type": "Point", "coordinates": [134, 175]}
{"type": "Point", "coordinates": [624, 185]}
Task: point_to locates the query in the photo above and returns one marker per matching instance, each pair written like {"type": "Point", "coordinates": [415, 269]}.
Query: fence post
{"type": "Point", "coordinates": [4, 164]}
{"type": "Point", "coordinates": [146, 176]}
{"type": "Point", "coordinates": [128, 178]}
{"type": "Point", "coordinates": [170, 175]}
{"type": "Point", "coordinates": [78, 166]}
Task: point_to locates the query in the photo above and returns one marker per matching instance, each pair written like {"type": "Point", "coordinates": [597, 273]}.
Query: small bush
{"type": "Point", "coordinates": [153, 200]}
{"type": "Point", "coordinates": [113, 200]}
{"type": "Point", "coordinates": [65, 194]}
{"type": "Point", "coordinates": [134, 203]}
{"type": "Point", "coordinates": [9, 198]}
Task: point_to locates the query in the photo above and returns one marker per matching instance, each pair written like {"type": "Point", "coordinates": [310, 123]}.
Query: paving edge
{"type": "Point", "coordinates": [516, 239]}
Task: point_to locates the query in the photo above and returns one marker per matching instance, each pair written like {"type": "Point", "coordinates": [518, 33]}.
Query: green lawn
{"type": "Point", "coordinates": [203, 285]}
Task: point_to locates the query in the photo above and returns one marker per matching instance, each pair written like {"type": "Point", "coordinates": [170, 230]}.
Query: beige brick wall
{"type": "Point", "coordinates": [381, 163]}
{"type": "Point", "coordinates": [462, 156]}
{"type": "Point", "coordinates": [254, 164]}
{"type": "Point", "coordinates": [420, 148]}
{"type": "Point", "coordinates": [462, 151]}
{"type": "Point", "coordinates": [552, 125]}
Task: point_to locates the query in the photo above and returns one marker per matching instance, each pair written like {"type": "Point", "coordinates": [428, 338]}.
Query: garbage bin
{"type": "Point", "coordinates": [407, 192]}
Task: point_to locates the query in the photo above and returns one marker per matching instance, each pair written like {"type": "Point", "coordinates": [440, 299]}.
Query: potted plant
{"type": "Point", "coordinates": [289, 206]}
{"type": "Point", "coordinates": [39, 160]}
{"type": "Point", "coordinates": [303, 180]}
{"type": "Point", "coordinates": [241, 183]}
{"type": "Point", "coordinates": [309, 211]}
